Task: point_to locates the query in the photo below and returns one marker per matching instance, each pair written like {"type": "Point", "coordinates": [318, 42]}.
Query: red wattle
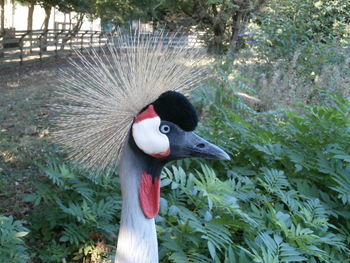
{"type": "Point", "coordinates": [149, 195]}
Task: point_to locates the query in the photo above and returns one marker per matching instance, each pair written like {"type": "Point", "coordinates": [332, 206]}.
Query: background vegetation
{"type": "Point", "coordinates": [278, 102]}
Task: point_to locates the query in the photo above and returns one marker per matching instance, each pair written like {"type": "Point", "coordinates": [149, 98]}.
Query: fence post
{"type": "Point", "coordinates": [2, 37]}
{"type": "Point", "coordinates": [82, 39]}
{"type": "Point", "coordinates": [41, 43]}
{"type": "Point", "coordinates": [70, 45]}
{"type": "Point", "coordinates": [92, 37]}
{"type": "Point", "coordinates": [56, 42]}
{"type": "Point", "coordinates": [30, 41]}
{"type": "Point", "coordinates": [22, 39]}
{"type": "Point", "coordinates": [44, 39]}
{"type": "Point", "coordinates": [21, 46]}
{"type": "Point", "coordinates": [99, 41]}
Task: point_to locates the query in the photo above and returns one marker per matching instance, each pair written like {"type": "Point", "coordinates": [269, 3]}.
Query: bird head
{"type": "Point", "coordinates": [164, 131]}
{"type": "Point", "coordinates": [129, 95]}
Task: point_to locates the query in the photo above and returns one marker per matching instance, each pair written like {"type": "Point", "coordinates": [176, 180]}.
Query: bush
{"type": "Point", "coordinates": [295, 48]}
{"type": "Point", "coordinates": [284, 196]}
{"type": "Point", "coordinates": [289, 82]}
{"type": "Point", "coordinates": [302, 25]}
{"type": "Point", "coordinates": [73, 216]}
{"type": "Point", "coordinates": [12, 247]}
{"type": "Point", "coordinates": [288, 182]}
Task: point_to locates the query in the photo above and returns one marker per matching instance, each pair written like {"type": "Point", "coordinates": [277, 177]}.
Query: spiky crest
{"type": "Point", "coordinates": [103, 92]}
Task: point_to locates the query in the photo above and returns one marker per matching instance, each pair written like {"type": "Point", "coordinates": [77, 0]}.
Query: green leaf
{"type": "Point", "coordinates": [212, 250]}
{"type": "Point", "coordinates": [21, 234]}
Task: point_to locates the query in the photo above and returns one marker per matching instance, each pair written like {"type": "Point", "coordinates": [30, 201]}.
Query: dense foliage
{"type": "Point", "coordinates": [302, 25]}
{"type": "Point", "coordinates": [289, 177]}
{"type": "Point", "coordinates": [220, 21]}
{"type": "Point", "coordinates": [284, 197]}
{"type": "Point", "coordinates": [73, 215]}
{"type": "Point", "coordinates": [12, 247]}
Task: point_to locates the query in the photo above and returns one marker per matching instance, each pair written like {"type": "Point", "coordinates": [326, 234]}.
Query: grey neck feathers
{"type": "Point", "coordinates": [137, 240]}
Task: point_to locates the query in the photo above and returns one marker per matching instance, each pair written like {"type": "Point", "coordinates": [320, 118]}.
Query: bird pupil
{"type": "Point", "coordinates": [165, 128]}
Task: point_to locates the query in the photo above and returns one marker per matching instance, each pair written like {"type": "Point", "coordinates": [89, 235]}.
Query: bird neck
{"type": "Point", "coordinates": [137, 240]}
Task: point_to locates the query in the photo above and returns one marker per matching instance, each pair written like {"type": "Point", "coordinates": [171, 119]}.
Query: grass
{"type": "Point", "coordinates": [287, 83]}
{"type": "Point", "coordinates": [26, 93]}
{"type": "Point", "coordinates": [24, 131]}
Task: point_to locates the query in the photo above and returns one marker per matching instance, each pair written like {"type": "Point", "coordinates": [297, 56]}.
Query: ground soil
{"type": "Point", "coordinates": [26, 93]}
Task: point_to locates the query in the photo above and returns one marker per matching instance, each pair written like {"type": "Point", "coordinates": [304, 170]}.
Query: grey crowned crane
{"type": "Point", "coordinates": [126, 108]}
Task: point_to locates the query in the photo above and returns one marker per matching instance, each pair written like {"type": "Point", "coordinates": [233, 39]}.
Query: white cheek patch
{"type": "Point", "coordinates": [149, 139]}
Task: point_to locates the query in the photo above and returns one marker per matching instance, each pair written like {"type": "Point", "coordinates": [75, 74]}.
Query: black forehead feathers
{"type": "Point", "coordinates": [176, 108]}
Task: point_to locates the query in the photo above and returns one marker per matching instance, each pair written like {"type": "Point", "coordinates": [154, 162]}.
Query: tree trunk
{"type": "Point", "coordinates": [2, 24]}
{"type": "Point", "coordinates": [70, 20]}
{"type": "Point", "coordinates": [74, 31]}
{"type": "Point", "coordinates": [218, 27]}
{"type": "Point", "coordinates": [46, 27]}
{"type": "Point", "coordinates": [236, 29]}
{"type": "Point", "coordinates": [30, 15]}
{"type": "Point", "coordinates": [2, 15]}
{"type": "Point", "coordinates": [79, 23]}
{"type": "Point", "coordinates": [30, 20]}
{"type": "Point", "coordinates": [219, 31]}
{"type": "Point", "coordinates": [47, 17]}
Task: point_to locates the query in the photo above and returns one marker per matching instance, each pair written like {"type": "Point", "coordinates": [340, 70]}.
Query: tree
{"type": "Point", "coordinates": [47, 5]}
{"type": "Point", "coordinates": [31, 5]}
{"type": "Point", "coordinates": [82, 8]}
{"type": "Point", "coordinates": [302, 25]}
{"type": "Point", "coordinates": [2, 15]}
{"type": "Point", "coordinates": [221, 20]}
{"type": "Point", "coordinates": [113, 11]}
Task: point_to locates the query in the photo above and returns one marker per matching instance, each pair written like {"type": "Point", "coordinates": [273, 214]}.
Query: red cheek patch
{"type": "Point", "coordinates": [147, 136]}
{"type": "Point", "coordinates": [149, 195]}
{"type": "Point", "coordinates": [146, 114]}
{"type": "Point", "coordinates": [161, 155]}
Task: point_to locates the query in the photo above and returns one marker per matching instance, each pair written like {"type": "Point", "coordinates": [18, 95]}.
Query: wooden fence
{"type": "Point", "coordinates": [19, 46]}
{"type": "Point", "coordinates": [28, 44]}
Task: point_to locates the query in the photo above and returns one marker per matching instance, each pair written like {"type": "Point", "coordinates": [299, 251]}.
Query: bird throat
{"type": "Point", "coordinates": [149, 182]}
{"type": "Point", "coordinates": [149, 195]}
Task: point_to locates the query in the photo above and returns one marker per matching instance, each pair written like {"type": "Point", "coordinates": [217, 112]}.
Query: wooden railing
{"type": "Point", "coordinates": [20, 46]}
{"type": "Point", "coordinates": [23, 45]}
{"type": "Point", "coordinates": [172, 39]}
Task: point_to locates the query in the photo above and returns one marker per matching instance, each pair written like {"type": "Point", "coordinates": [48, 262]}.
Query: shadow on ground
{"type": "Point", "coordinates": [25, 142]}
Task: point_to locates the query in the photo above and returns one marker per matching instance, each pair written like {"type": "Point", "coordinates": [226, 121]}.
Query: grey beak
{"type": "Point", "coordinates": [196, 146]}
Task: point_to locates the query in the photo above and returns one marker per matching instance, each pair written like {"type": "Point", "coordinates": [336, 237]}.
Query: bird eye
{"type": "Point", "coordinates": [165, 128]}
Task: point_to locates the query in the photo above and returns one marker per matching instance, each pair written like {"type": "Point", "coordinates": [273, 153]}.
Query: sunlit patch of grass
{"type": "Point", "coordinates": [95, 253]}
{"type": "Point", "coordinates": [8, 157]}
{"type": "Point", "coordinates": [13, 84]}
{"type": "Point", "coordinates": [287, 83]}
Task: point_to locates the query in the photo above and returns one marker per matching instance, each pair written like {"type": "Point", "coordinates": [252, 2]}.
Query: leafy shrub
{"type": "Point", "coordinates": [286, 81]}
{"type": "Point", "coordinates": [284, 196]}
{"type": "Point", "coordinates": [289, 177]}
{"type": "Point", "coordinates": [302, 25]}
{"type": "Point", "coordinates": [73, 216]}
{"type": "Point", "coordinates": [297, 47]}
{"type": "Point", "coordinates": [245, 217]}
{"type": "Point", "coordinates": [12, 247]}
